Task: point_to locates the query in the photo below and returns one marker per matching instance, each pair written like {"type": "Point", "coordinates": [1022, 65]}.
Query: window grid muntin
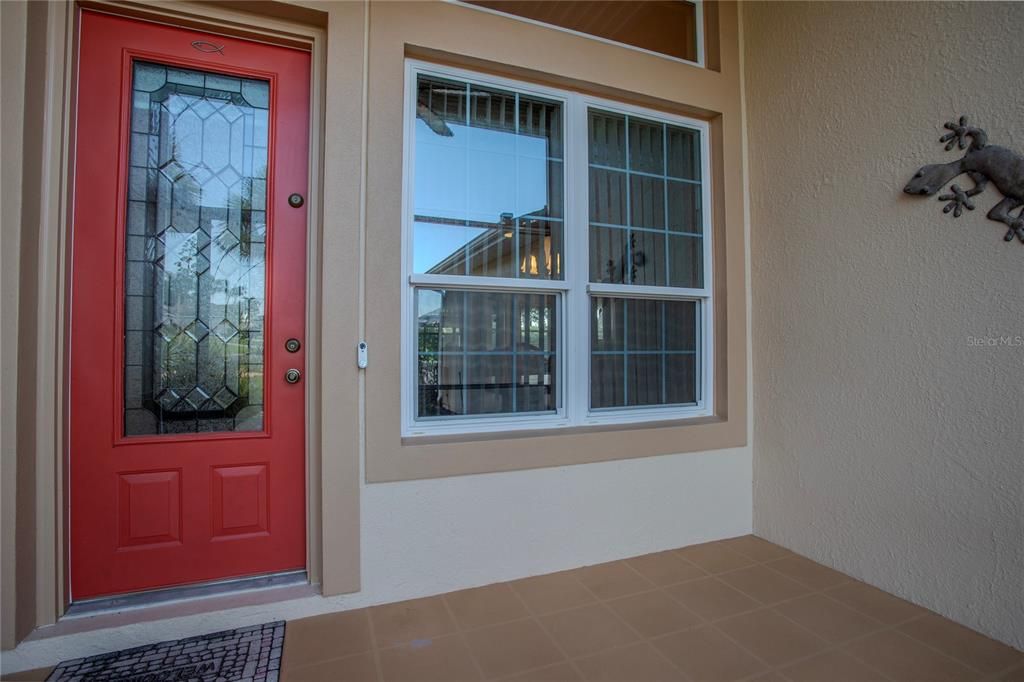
{"type": "Point", "coordinates": [672, 240]}
{"type": "Point", "coordinates": [575, 289]}
{"type": "Point", "coordinates": [554, 353]}
{"type": "Point", "coordinates": [662, 352]}
{"type": "Point", "coordinates": [627, 290]}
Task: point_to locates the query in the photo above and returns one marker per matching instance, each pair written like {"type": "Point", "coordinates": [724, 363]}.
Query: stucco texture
{"type": "Point", "coordinates": [886, 442]}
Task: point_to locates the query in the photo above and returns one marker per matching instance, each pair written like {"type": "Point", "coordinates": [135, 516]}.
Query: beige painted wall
{"type": "Point", "coordinates": [885, 444]}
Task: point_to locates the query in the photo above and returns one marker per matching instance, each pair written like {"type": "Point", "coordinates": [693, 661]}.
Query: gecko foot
{"type": "Point", "coordinates": [957, 137]}
{"type": "Point", "coordinates": [1016, 229]}
{"type": "Point", "coordinates": [958, 201]}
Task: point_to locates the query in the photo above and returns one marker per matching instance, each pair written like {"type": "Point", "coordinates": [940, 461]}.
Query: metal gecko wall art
{"type": "Point", "coordinates": [983, 163]}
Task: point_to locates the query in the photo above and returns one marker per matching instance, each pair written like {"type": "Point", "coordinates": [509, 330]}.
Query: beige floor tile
{"type": "Point", "coordinates": [408, 620]}
{"type": "Point", "coordinates": [715, 557]}
{"type": "Point", "coordinates": [638, 662]}
{"type": "Point", "coordinates": [772, 637]}
{"type": "Point", "coordinates": [705, 654]}
{"type": "Point", "coordinates": [614, 579]}
{"type": "Point", "coordinates": [559, 672]}
{"type": "Point", "coordinates": [34, 675]}
{"type": "Point", "coordinates": [441, 659]}
{"type": "Point", "coordinates": [770, 676]}
{"type": "Point", "coordinates": [712, 599]}
{"type": "Point", "coordinates": [587, 630]}
{"type": "Point", "coordinates": [553, 592]}
{"type": "Point", "coordinates": [358, 668]}
{"type": "Point", "coordinates": [512, 647]}
{"type": "Point", "coordinates": [808, 572]}
{"type": "Point", "coordinates": [833, 666]}
{"type": "Point", "coordinates": [764, 584]}
{"type": "Point", "coordinates": [828, 618]}
{"type": "Point", "coordinates": [665, 568]}
{"type": "Point", "coordinates": [875, 603]}
{"type": "Point", "coordinates": [488, 605]}
{"type": "Point", "coordinates": [967, 646]}
{"type": "Point", "coordinates": [904, 659]}
{"type": "Point", "coordinates": [756, 548]}
{"type": "Point", "coordinates": [653, 613]}
{"type": "Point", "coordinates": [1015, 675]}
{"type": "Point", "coordinates": [332, 635]}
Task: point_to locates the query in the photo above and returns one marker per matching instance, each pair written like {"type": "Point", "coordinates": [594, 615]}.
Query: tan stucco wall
{"type": "Point", "coordinates": [884, 443]}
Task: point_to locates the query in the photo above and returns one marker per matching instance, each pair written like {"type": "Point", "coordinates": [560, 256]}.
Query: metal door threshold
{"type": "Point", "coordinates": [195, 591]}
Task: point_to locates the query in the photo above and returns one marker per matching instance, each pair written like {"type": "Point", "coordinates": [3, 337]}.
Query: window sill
{"type": "Point", "coordinates": [436, 456]}
{"type": "Point", "coordinates": [560, 429]}
{"type": "Point", "coordinates": [487, 427]}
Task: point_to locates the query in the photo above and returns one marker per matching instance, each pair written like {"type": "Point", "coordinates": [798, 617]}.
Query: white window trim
{"type": "Point", "coordinates": [698, 18]}
{"type": "Point", "coordinates": [574, 291]}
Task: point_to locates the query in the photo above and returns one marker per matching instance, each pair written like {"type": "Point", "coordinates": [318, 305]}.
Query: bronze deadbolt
{"type": "Point", "coordinates": [292, 345]}
{"type": "Point", "coordinates": [296, 200]}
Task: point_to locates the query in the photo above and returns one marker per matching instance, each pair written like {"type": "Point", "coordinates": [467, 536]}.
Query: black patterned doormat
{"type": "Point", "coordinates": [251, 654]}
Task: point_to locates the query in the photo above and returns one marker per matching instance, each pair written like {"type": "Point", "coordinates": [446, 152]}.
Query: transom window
{"type": "Point", "coordinates": [671, 28]}
{"type": "Point", "coordinates": [556, 251]}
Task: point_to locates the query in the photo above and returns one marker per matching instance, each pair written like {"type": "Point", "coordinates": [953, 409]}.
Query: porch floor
{"type": "Point", "coordinates": [739, 609]}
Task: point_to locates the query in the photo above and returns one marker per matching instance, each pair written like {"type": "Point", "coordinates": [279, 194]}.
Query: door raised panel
{"type": "Point", "coordinates": [149, 508]}
{"type": "Point", "coordinates": [240, 500]}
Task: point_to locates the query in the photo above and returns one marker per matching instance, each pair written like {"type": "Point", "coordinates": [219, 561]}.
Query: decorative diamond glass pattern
{"type": "Point", "coordinates": [195, 276]}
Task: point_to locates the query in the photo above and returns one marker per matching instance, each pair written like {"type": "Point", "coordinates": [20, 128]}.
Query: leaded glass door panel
{"type": "Point", "coordinates": [196, 252]}
{"type": "Point", "coordinates": [187, 441]}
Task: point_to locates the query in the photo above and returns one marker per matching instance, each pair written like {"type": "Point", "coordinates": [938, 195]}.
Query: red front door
{"type": "Point", "coordinates": [187, 446]}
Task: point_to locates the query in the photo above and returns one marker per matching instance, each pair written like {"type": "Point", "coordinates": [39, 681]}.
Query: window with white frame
{"type": "Point", "coordinates": [557, 258]}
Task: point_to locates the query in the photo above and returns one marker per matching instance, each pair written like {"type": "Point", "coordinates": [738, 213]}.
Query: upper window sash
{"type": "Point", "coordinates": [488, 194]}
{"type": "Point", "coordinates": [645, 201]}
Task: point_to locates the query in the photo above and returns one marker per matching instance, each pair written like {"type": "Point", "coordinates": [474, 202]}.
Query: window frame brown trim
{"type": "Point", "coordinates": [493, 44]}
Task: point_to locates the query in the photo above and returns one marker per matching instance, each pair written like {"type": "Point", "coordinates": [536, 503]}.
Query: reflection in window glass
{"type": "Point", "coordinates": [488, 182]}
{"type": "Point", "coordinates": [644, 352]}
{"type": "Point", "coordinates": [646, 222]}
{"type": "Point", "coordinates": [482, 352]}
